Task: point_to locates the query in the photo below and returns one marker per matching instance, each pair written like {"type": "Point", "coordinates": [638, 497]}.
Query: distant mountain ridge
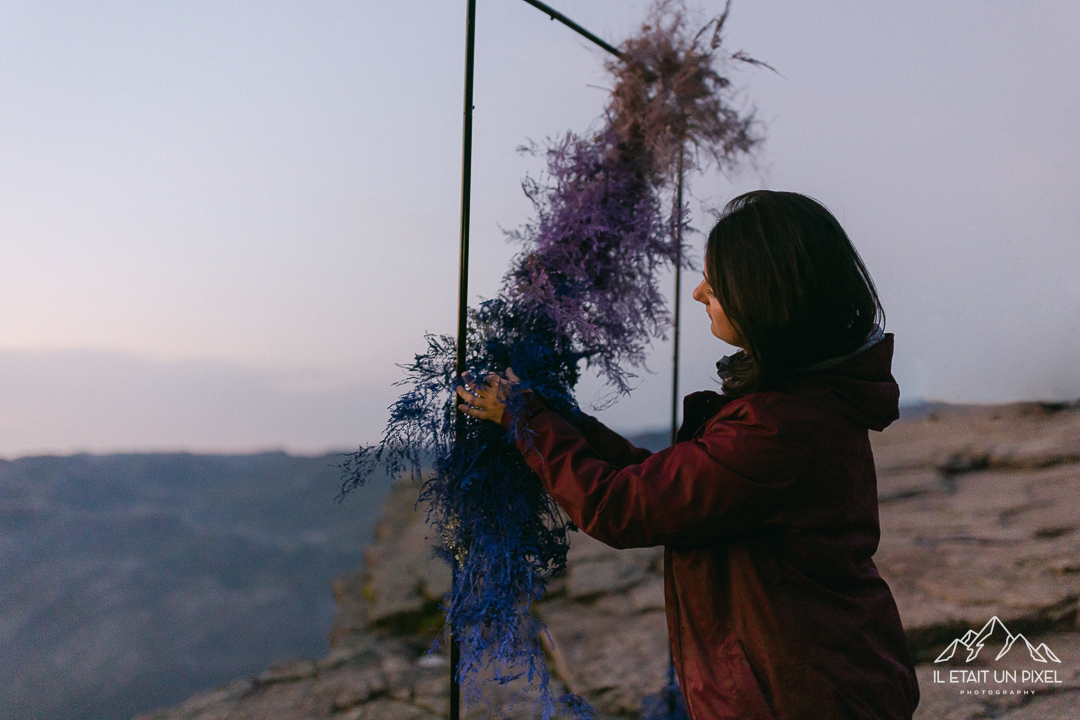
{"type": "Point", "coordinates": [974, 642]}
{"type": "Point", "coordinates": [132, 581]}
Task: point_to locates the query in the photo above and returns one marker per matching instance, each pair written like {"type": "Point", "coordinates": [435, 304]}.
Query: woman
{"type": "Point", "coordinates": [767, 504]}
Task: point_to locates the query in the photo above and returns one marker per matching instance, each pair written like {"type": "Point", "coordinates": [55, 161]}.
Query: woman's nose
{"type": "Point", "coordinates": [699, 293]}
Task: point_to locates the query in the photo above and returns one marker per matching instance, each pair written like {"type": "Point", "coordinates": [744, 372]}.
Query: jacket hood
{"type": "Point", "coordinates": [861, 388]}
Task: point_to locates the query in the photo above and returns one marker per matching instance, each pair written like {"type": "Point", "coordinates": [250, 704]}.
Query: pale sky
{"type": "Point", "coordinates": [223, 223]}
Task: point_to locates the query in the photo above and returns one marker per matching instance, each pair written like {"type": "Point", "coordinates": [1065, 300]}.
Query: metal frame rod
{"type": "Point", "coordinates": [466, 187]}
{"type": "Point", "coordinates": [678, 214]}
{"type": "Point", "coordinates": [463, 292]}
{"type": "Point", "coordinates": [556, 15]}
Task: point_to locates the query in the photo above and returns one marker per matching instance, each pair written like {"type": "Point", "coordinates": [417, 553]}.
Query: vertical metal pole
{"type": "Point", "coordinates": [678, 301]}
{"type": "Point", "coordinates": [466, 188]}
{"type": "Point", "coordinates": [671, 700]}
{"type": "Point", "coordinates": [463, 291]}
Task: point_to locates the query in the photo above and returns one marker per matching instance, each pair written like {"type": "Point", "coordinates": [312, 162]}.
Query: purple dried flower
{"type": "Point", "coordinates": [593, 253]}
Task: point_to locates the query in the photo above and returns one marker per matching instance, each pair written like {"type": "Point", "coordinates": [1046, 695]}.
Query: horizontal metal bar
{"type": "Point", "coordinates": [556, 15]}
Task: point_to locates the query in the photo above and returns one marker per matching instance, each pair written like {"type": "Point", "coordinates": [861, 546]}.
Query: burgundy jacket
{"type": "Point", "coordinates": [767, 508]}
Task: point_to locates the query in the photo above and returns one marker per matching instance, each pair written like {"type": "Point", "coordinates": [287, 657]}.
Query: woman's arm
{"type": "Point", "coordinates": [693, 493]}
{"type": "Point", "coordinates": [610, 445]}
{"type": "Point", "coordinates": [488, 402]}
{"type": "Point", "coordinates": [726, 483]}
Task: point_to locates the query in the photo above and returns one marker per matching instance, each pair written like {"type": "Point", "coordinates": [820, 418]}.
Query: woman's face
{"type": "Point", "coordinates": [721, 326]}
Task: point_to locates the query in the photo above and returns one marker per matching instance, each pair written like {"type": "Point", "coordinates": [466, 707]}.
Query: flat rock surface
{"type": "Point", "coordinates": [980, 517]}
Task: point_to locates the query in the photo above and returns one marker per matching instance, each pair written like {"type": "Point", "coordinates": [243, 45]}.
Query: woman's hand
{"type": "Point", "coordinates": [487, 402]}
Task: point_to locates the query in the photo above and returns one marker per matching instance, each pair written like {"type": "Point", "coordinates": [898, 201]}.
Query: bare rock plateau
{"type": "Point", "coordinates": [980, 519]}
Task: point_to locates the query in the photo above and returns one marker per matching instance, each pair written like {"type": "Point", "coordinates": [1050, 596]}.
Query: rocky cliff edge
{"type": "Point", "coordinates": [980, 517]}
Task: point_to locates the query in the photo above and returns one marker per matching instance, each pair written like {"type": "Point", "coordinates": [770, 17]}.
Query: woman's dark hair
{"type": "Point", "coordinates": [791, 284]}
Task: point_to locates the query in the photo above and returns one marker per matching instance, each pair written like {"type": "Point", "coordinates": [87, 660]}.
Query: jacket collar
{"type": "Point", "coordinates": [723, 365]}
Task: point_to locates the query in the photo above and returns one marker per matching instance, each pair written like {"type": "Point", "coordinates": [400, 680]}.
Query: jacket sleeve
{"type": "Point", "coordinates": [726, 483]}
{"type": "Point", "coordinates": [610, 445]}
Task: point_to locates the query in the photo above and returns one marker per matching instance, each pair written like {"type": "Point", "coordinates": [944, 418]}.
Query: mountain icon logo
{"type": "Point", "coordinates": [974, 641]}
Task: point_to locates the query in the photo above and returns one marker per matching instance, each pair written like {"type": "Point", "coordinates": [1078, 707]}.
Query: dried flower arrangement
{"type": "Point", "coordinates": [582, 293]}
